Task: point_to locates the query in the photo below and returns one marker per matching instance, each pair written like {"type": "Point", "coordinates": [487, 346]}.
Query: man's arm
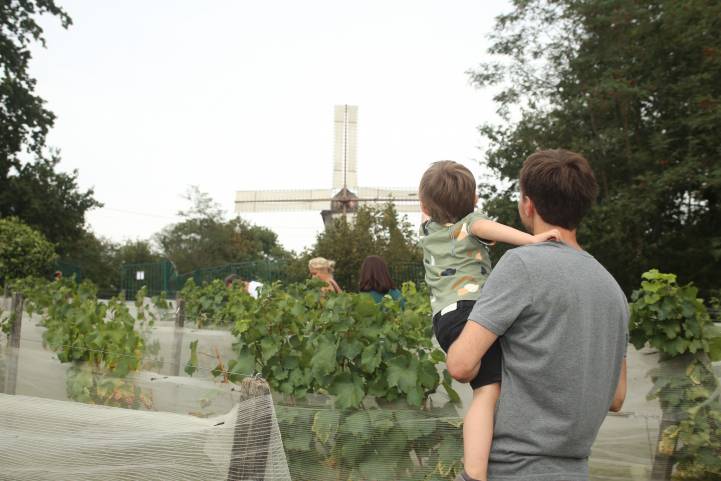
{"type": "Point", "coordinates": [493, 231]}
{"type": "Point", "coordinates": [620, 395]}
{"type": "Point", "coordinates": [506, 293]}
{"type": "Point", "coordinates": [464, 356]}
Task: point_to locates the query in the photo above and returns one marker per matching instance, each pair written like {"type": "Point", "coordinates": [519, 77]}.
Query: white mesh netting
{"type": "Point", "coordinates": [43, 439]}
{"type": "Point", "coordinates": [179, 427]}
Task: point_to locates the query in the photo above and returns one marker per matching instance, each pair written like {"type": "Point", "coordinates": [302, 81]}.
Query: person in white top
{"type": "Point", "coordinates": [251, 287]}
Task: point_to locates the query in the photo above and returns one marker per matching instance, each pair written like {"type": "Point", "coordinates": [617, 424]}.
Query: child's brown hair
{"type": "Point", "coordinates": [447, 191]}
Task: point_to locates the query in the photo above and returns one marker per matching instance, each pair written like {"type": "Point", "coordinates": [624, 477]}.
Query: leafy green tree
{"type": "Point", "coordinates": [23, 251]}
{"type": "Point", "coordinates": [100, 259]}
{"type": "Point", "coordinates": [636, 88]}
{"type": "Point", "coordinates": [33, 191]}
{"type": "Point", "coordinates": [204, 239]}
{"type": "Point", "coordinates": [374, 231]}
{"type": "Point", "coordinates": [137, 251]}
{"type": "Point", "coordinates": [24, 120]}
{"type": "Point", "coordinates": [49, 201]}
{"type": "Point", "coordinates": [96, 259]}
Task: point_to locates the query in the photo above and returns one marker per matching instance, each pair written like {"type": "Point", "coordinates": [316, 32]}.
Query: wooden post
{"type": "Point", "coordinates": [663, 463]}
{"type": "Point", "coordinates": [180, 313]}
{"type": "Point", "coordinates": [673, 369]}
{"type": "Point", "coordinates": [253, 429]}
{"type": "Point", "coordinates": [178, 335]}
{"type": "Point", "coordinates": [16, 319]}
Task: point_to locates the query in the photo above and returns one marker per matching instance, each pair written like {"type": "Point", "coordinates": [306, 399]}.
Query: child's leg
{"type": "Point", "coordinates": [478, 430]}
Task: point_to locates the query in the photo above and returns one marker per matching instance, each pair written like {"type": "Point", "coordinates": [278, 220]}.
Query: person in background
{"type": "Point", "coordinates": [58, 276]}
{"type": "Point", "coordinates": [376, 280]}
{"type": "Point", "coordinates": [251, 287]}
{"type": "Point", "coordinates": [230, 280]}
{"type": "Point", "coordinates": [321, 268]}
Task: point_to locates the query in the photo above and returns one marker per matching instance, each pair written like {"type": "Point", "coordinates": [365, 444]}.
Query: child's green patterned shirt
{"type": "Point", "coordinates": [457, 263]}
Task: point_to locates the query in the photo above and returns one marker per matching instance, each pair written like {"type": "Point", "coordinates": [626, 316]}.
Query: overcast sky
{"type": "Point", "coordinates": [152, 97]}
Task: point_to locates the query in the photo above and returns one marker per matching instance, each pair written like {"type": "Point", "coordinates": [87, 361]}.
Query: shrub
{"type": "Point", "coordinates": [24, 251]}
{"type": "Point", "coordinates": [673, 320]}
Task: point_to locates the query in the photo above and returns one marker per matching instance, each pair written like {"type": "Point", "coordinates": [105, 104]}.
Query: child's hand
{"type": "Point", "coordinates": [552, 234]}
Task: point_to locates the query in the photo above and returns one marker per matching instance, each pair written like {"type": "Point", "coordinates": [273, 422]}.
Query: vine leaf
{"type": "Point", "coordinates": [449, 453]}
{"type": "Point", "coordinates": [415, 425]}
{"type": "Point", "coordinates": [714, 343]}
{"type": "Point", "coordinates": [348, 390]}
{"type": "Point", "coordinates": [358, 424]}
{"type": "Point", "coordinates": [323, 361]}
{"type": "Point", "coordinates": [350, 349]}
{"type": "Point", "coordinates": [325, 424]}
{"type": "Point", "coordinates": [370, 358]}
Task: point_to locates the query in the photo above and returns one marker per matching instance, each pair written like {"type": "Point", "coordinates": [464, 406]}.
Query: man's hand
{"type": "Point", "coordinates": [464, 356]}
{"type": "Point", "coordinates": [553, 234]}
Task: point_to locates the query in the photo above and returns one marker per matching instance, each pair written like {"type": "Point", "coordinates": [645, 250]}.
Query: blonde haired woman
{"type": "Point", "coordinates": [321, 268]}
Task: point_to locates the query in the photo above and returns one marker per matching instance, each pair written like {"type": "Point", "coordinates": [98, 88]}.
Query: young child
{"type": "Point", "coordinates": [454, 239]}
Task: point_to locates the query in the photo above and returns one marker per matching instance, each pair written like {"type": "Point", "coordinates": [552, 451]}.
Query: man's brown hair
{"type": "Point", "coordinates": [561, 185]}
{"type": "Point", "coordinates": [448, 191]}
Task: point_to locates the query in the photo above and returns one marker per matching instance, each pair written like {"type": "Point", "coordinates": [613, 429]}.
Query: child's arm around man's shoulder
{"type": "Point", "coordinates": [493, 231]}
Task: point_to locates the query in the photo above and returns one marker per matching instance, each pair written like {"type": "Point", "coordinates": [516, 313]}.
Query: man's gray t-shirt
{"type": "Point", "coordinates": [563, 320]}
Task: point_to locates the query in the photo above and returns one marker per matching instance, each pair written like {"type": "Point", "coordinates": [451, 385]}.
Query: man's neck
{"type": "Point", "coordinates": [568, 236]}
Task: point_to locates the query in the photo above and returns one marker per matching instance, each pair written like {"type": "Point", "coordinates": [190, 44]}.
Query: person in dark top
{"type": "Point", "coordinates": [376, 280]}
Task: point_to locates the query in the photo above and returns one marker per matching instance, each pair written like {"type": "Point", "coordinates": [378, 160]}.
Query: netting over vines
{"type": "Point", "coordinates": [43, 439]}
{"type": "Point", "coordinates": [138, 414]}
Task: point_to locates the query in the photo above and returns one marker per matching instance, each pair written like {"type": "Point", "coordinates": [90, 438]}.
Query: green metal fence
{"type": "Point", "coordinates": [156, 276]}
{"type": "Point", "coordinates": [263, 271]}
{"type": "Point", "coordinates": [162, 277]}
{"type": "Point", "coordinates": [68, 269]}
{"type": "Point", "coordinates": [400, 273]}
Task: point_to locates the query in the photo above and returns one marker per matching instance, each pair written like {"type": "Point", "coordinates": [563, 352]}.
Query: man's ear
{"type": "Point", "coordinates": [424, 211]}
{"type": "Point", "coordinates": [529, 209]}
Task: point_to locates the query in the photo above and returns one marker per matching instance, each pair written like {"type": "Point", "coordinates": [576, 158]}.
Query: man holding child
{"type": "Point", "coordinates": [561, 321]}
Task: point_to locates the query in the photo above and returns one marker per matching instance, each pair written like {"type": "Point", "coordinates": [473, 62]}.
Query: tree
{"type": "Point", "coordinates": [374, 231]}
{"type": "Point", "coordinates": [136, 252]}
{"type": "Point", "coordinates": [49, 201]}
{"type": "Point", "coordinates": [24, 120]}
{"type": "Point", "coordinates": [204, 239]}
{"type": "Point", "coordinates": [33, 191]}
{"type": "Point", "coordinates": [99, 259]}
{"type": "Point", "coordinates": [95, 257]}
{"type": "Point", "coordinates": [23, 251]}
{"type": "Point", "coordinates": [636, 88]}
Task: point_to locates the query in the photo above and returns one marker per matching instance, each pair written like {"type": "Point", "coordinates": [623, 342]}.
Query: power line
{"type": "Point", "coordinates": [144, 214]}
